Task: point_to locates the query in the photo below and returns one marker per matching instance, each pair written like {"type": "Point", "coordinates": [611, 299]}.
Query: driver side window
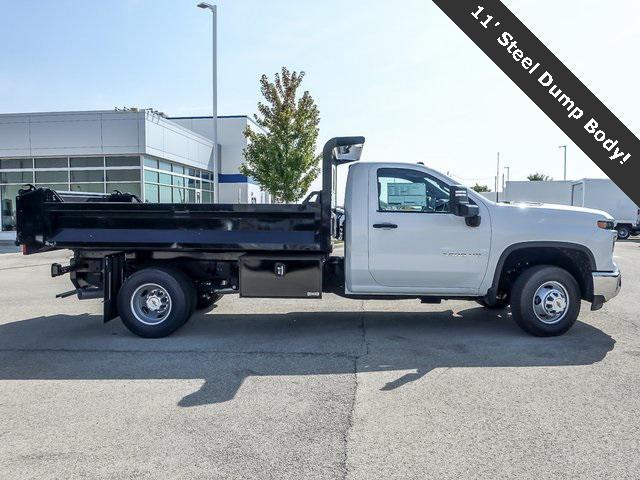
{"type": "Point", "coordinates": [406, 190]}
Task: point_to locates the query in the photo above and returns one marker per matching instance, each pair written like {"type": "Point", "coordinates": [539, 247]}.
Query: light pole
{"type": "Point", "coordinates": [497, 178]}
{"type": "Point", "coordinates": [565, 160]}
{"type": "Point", "coordinates": [214, 16]}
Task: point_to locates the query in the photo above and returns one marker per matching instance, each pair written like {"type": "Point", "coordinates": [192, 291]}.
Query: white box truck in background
{"type": "Point", "coordinates": [555, 192]}
{"type": "Point", "coordinates": [603, 194]}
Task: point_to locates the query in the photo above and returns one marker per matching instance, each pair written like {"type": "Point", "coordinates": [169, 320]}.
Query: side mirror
{"type": "Point", "coordinates": [460, 206]}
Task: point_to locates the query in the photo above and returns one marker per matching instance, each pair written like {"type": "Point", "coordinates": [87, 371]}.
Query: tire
{"type": "Point", "coordinates": [155, 302]}
{"type": "Point", "coordinates": [499, 305]}
{"type": "Point", "coordinates": [205, 301]}
{"type": "Point", "coordinates": [538, 293]}
{"type": "Point", "coordinates": [624, 232]}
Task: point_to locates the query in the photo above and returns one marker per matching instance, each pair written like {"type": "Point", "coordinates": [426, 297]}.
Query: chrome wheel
{"type": "Point", "coordinates": [551, 302]}
{"type": "Point", "coordinates": [151, 304]}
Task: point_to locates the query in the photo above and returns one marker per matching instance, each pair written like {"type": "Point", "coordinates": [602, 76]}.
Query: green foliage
{"type": "Point", "coordinates": [481, 188]}
{"type": "Point", "coordinates": [539, 177]}
{"type": "Point", "coordinates": [283, 159]}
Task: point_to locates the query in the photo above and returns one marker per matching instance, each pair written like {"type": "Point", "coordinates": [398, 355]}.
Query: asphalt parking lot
{"type": "Point", "coordinates": [306, 389]}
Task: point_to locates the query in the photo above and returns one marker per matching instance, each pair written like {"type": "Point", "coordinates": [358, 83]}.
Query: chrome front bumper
{"type": "Point", "coordinates": [606, 285]}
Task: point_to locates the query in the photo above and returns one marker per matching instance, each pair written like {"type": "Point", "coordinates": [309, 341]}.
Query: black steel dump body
{"type": "Point", "coordinates": [48, 222]}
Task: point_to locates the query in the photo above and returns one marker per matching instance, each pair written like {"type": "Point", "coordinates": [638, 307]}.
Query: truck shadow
{"type": "Point", "coordinates": [225, 349]}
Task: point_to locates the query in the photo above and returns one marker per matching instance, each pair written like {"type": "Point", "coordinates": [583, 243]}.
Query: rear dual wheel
{"type": "Point", "coordinates": [155, 302]}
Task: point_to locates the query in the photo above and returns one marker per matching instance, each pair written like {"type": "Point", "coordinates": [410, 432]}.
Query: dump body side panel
{"type": "Point", "coordinates": [48, 223]}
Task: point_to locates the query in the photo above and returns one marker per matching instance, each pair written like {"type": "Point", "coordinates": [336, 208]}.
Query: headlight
{"type": "Point", "coordinates": [606, 224]}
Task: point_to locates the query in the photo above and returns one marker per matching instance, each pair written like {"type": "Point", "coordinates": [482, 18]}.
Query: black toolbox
{"type": "Point", "coordinates": [284, 276]}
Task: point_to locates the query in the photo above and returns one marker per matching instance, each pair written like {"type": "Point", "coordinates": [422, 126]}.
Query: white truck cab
{"type": "Point", "coordinates": [403, 237]}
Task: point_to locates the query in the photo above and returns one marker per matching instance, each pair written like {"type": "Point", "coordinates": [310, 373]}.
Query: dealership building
{"type": "Point", "coordinates": [160, 159]}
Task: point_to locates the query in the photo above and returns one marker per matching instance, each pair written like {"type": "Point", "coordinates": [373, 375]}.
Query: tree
{"type": "Point", "coordinates": [282, 158]}
{"type": "Point", "coordinates": [539, 177]}
{"type": "Point", "coordinates": [480, 188]}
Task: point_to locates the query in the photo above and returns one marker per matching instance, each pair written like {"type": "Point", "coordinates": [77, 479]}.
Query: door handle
{"type": "Point", "coordinates": [385, 225]}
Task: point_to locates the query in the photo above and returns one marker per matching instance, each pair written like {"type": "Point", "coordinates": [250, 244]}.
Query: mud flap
{"type": "Point", "coordinates": [113, 275]}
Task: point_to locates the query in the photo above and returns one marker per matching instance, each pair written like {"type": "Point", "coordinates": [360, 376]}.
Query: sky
{"type": "Point", "coordinates": [398, 72]}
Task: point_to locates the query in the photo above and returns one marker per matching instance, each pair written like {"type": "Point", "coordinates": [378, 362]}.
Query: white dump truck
{"type": "Point", "coordinates": [409, 232]}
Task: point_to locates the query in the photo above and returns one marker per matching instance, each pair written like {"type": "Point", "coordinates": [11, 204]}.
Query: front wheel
{"type": "Point", "coordinates": [545, 301]}
{"type": "Point", "coordinates": [155, 302]}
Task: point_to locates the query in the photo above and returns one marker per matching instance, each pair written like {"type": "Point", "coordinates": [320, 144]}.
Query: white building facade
{"type": "Point", "coordinates": [134, 151]}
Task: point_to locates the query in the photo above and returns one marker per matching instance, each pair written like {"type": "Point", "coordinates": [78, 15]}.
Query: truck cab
{"type": "Point", "coordinates": [406, 235]}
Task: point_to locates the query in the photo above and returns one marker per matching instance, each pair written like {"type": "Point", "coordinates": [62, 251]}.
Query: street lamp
{"type": "Point", "coordinates": [498, 178]}
{"type": "Point", "coordinates": [565, 160]}
{"type": "Point", "coordinates": [213, 9]}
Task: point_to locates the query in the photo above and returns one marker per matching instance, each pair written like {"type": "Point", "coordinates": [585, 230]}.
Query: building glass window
{"type": "Point", "coordinates": [173, 183]}
{"type": "Point", "coordinates": [99, 174]}
{"type": "Point", "coordinates": [123, 175]}
{"type": "Point", "coordinates": [165, 178]}
{"type": "Point", "coordinates": [16, 163]}
{"type": "Point", "coordinates": [150, 176]}
{"type": "Point", "coordinates": [151, 193]}
{"type": "Point", "coordinates": [150, 162]}
{"type": "Point", "coordinates": [122, 161]}
{"type": "Point", "coordinates": [179, 181]}
{"type": "Point", "coordinates": [16, 177]}
{"type": "Point", "coordinates": [133, 188]}
{"type": "Point", "coordinates": [55, 176]}
{"type": "Point", "coordinates": [179, 195]}
{"type": "Point", "coordinates": [87, 176]}
{"type": "Point", "coordinates": [52, 162]}
{"type": "Point", "coordinates": [86, 162]}
{"type": "Point", "coordinates": [88, 187]}
{"type": "Point", "coordinates": [165, 194]}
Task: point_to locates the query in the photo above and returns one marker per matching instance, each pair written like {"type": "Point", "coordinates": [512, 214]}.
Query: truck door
{"type": "Point", "coordinates": [415, 242]}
